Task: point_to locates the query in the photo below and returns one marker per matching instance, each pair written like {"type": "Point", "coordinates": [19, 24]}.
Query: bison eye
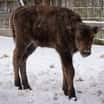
{"type": "Point", "coordinates": [91, 37]}
{"type": "Point", "coordinates": [95, 29]}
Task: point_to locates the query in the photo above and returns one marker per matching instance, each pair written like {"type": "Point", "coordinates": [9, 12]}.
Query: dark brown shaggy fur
{"type": "Point", "coordinates": [54, 27]}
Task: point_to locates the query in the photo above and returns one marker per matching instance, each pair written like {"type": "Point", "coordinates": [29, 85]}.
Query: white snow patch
{"type": "Point", "coordinates": [45, 77]}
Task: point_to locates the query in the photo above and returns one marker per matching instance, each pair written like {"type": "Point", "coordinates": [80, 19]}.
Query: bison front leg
{"type": "Point", "coordinates": [24, 75]}
{"type": "Point", "coordinates": [17, 80]}
{"type": "Point", "coordinates": [68, 86]}
{"type": "Point", "coordinates": [68, 75]}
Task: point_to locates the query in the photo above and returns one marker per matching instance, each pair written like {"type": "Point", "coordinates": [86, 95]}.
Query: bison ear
{"type": "Point", "coordinates": [95, 29]}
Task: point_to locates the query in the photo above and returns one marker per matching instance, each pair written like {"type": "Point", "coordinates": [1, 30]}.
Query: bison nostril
{"type": "Point", "coordinates": [87, 51]}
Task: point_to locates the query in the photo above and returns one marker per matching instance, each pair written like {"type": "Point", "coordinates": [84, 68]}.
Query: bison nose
{"type": "Point", "coordinates": [86, 52]}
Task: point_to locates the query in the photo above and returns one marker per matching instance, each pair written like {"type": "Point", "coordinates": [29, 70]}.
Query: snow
{"type": "Point", "coordinates": [45, 77]}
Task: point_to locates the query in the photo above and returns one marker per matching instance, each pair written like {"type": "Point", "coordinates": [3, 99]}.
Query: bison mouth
{"type": "Point", "coordinates": [85, 53]}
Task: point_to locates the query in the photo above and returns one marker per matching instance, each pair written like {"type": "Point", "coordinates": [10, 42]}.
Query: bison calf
{"type": "Point", "coordinates": [54, 27]}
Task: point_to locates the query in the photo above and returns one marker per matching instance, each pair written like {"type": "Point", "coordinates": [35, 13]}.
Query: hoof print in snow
{"type": "Point", "coordinates": [4, 56]}
{"type": "Point", "coordinates": [79, 79]}
{"type": "Point", "coordinates": [102, 101]}
{"type": "Point", "coordinates": [101, 56]}
{"type": "Point", "coordinates": [55, 98]}
{"type": "Point", "coordinates": [52, 66]}
{"type": "Point", "coordinates": [99, 93]}
{"type": "Point", "coordinates": [80, 92]}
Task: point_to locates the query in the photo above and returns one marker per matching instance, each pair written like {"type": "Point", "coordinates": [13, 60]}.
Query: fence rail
{"type": "Point", "coordinates": [90, 13]}
{"type": "Point", "coordinates": [90, 10]}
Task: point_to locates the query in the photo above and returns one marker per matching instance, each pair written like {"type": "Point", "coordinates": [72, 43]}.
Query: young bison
{"type": "Point", "coordinates": [54, 27]}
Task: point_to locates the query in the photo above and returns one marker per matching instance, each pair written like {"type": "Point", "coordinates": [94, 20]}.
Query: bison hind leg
{"type": "Point", "coordinates": [25, 53]}
{"type": "Point", "coordinates": [17, 79]}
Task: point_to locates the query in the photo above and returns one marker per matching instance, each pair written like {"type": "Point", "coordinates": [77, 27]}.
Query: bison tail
{"type": "Point", "coordinates": [12, 26]}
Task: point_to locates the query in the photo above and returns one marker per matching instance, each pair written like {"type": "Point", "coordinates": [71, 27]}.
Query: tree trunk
{"type": "Point", "coordinates": [70, 4]}
{"type": "Point", "coordinates": [59, 2]}
{"type": "Point", "coordinates": [37, 2]}
{"type": "Point", "coordinates": [46, 2]}
{"type": "Point", "coordinates": [22, 2]}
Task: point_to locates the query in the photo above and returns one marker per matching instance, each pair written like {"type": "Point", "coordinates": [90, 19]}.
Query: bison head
{"type": "Point", "coordinates": [84, 38]}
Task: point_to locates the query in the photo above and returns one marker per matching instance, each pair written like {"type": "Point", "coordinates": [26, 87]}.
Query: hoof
{"type": "Point", "coordinates": [74, 98]}
{"type": "Point", "coordinates": [71, 94]}
{"type": "Point", "coordinates": [27, 87]}
{"type": "Point", "coordinates": [65, 92]}
{"type": "Point", "coordinates": [18, 85]}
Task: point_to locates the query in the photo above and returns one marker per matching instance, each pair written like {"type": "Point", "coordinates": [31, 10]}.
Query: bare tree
{"type": "Point", "coordinates": [59, 2]}
{"type": "Point", "coordinates": [70, 4]}
{"type": "Point", "coordinates": [22, 2]}
{"type": "Point", "coordinates": [36, 2]}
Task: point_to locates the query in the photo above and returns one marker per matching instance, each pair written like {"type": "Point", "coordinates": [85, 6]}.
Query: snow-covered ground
{"type": "Point", "coordinates": [45, 77]}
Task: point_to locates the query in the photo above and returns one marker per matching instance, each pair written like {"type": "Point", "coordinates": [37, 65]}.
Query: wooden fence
{"type": "Point", "coordinates": [88, 10]}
